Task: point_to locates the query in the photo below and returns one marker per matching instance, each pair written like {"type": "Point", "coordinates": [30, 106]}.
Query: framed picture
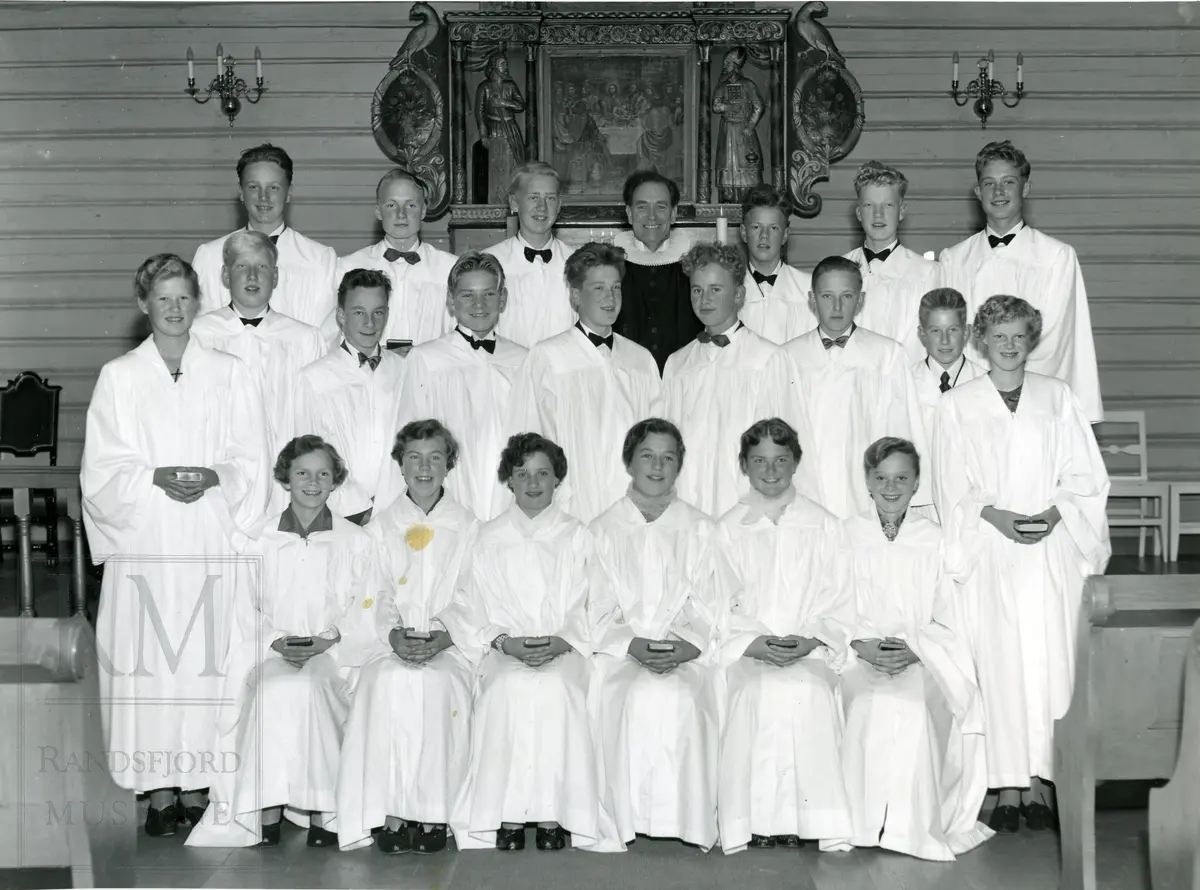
{"type": "Point", "coordinates": [609, 111]}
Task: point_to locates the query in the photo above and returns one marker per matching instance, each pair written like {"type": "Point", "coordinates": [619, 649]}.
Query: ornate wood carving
{"type": "Point", "coordinates": [704, 131]}
{"type": "Point", "coordinates": [617, 28]}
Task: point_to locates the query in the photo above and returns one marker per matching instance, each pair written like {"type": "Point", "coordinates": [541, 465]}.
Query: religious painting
{"type": "Point", "coordinates": [610, 113]}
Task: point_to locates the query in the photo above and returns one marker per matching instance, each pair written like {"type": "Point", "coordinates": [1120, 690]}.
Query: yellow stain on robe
{"type": "Point", "coordinates": [418, 537]}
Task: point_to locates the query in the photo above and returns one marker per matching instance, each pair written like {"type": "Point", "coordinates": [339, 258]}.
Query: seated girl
{"type": "Point", "coordinates": [297, 636]}
{"type": "Point", "coordinates": [521, 617]}
{"type": "Point", "coordinates": [912, 754]}
{"type": "Point", "coordinates": [405, 755]}
{"type": "Point", "coordinates": [787, 628]}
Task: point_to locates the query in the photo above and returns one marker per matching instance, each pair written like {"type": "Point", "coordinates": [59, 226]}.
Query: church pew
{"type": "Point", "coordinates": [1126, 709]}
{"type": "Point", "coordinates": [59, 807]}
{"type": "Point", "coordinates": [1175, 809]}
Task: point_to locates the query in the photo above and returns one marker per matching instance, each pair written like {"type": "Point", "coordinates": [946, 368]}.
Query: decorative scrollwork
{"type": "Point", "coordinates": [478, 213]}
{"type": "Point", "coordinates": [739, 31]}
{"type": "Point", "coordinates": [493, 32]}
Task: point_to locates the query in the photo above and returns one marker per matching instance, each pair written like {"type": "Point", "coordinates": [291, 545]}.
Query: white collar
{"type": "Point", "coordinates": [936, 367]}
{"type": "Point", "coordinates": [467, 332]}
{"type": "Point", "coordinates": [750, 270]}
{"type": "Point", "coordinates": [353, 351]}
{"type": "Point", "coordinates": [1020, 225]}
{"type": "Point", "coordinates": [275, 234]}
{"type": "Point", "coordinates": [549, 244]}
{"type": "Point", "coordinates": [238, 314]}
{"type": "Point", "coordinates": [385, 245]}
{"type": "Point", "coordinates": [588, 330]}
{"type": "Point", "coordinates": [891, 247]}
{"type": "Point", "coordinates": [824, 334]}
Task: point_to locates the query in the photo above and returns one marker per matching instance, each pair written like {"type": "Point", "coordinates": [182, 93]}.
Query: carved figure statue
{"type": "Point", "coordinates": [497, 102]}
{"type": "Point", "coordinates": [419, 38]}
{"type": "Point", "coordinates": [815, 34]}
{"type": "Point", "coordinates": [739, 153]}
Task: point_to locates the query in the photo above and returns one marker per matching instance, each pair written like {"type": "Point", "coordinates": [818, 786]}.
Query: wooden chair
{"type": "Point", "coordinates": [1133, 501]}
{"type": "Point", "coordinates": [29, 428]}
{"type": "Point", "coordinates": [1175, 809]}
{"type": "Point", "coordinates": [1177, 527]}
{"type": "Point", "coordinates": [1125, 715]}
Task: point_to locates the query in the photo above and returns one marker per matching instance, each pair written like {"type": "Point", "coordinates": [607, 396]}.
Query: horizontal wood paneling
{"type": "Point", "coordinates": [104, 160]}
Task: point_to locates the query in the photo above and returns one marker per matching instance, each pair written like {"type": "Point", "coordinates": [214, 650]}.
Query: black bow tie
{"type": "Point", "coordinates": [274, 238]}
{"type": "Point", "coordinates": [872, 255]}
{"type": "Point", "coordinates": [531, 254]}
{"type": "Point", "coordinates": [373, 360]}
{"type": "Point", "coordinates": [945, 384]}
{"type": "Point", "coordinates": [488, 346]}
{"type": "Point", "coordinates": [596, 339]}
{"type": "Point", "coordinates": [760, 278]}
{"type": "Point", "coordinates": [409, 256]}
{"type": "Point", "coordinates": [253, 322]}
{"type": "Point", "coordinates": [840, 342]}
{"type": "Point", "coordinates": [721, 340]}
{"type": "Point", "coordinates": [1006, 240]}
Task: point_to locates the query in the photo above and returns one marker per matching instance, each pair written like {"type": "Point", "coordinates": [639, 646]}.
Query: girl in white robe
{"type": "Point", "coordinates": [912, 755]}
{"type": "Point", "coordinates": [653, 699]}
{"type": "Point", "coordinates": [532, 755]}
{"type": "Point", "coordinates": [1021, 488]}
{"type": "Point", "coordinates": [174, 471]}
{"type": "Point", "coordinates": [404, 758]}
{"type": "Point", "coordinates": [299, 633]}
{"type": "Point", "coordinates": [786, 627]}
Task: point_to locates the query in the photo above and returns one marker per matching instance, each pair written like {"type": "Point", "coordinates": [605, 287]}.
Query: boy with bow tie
{"type": "Point", "coordinates": [534, 260]}
{"type": "Point", "coordinates": [1010, 257]}
{"type": "Point", "coordinates": [306, 280]}
{"type": "Point", "coordinates": [586, 386]}
{"type": "Point", "coordinates": [943, 331]}
{"type": "Point", "coordinates": [854, 385]}
{"type": "Point", "coordinates": [464, 379]}
{"type": "Point", "coordinates": [723, 381]}
{"type": "Point", "coordinates": [776, 305]}
{"type": "Point", "coordinates": [351, 397]}
{"type": "Point", "coordinates": [417, 270]}
{"type": "Point", "coordinates": [894, 277]}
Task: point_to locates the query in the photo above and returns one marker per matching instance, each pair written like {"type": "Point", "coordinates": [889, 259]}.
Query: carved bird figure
{"type": "Point", "coordinates": [419, 38]}
{"type": "Point", "coordinates": [814, 33]}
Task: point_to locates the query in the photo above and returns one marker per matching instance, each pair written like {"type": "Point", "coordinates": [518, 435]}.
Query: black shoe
{"type": "Point", "coordinates": [1005, 820]}
{"type": "Point", "coordinates": [162, 823]}
{"type": "Point", "coordinates": [788, 840]}
{"type": "Point", "coordinates": [1038, 817]}
{"type": "Point", "coordinates": [394, 842]}
{"type": "Point", "coordinates": [432, 841]}
{"type": "Point", "coordinates": [321, 837]}
{"type": "Point", "coordinates": [270, 834]}
{"type": "Point", "coordinates": [761, 842]}
{"type": "Point", "coordinates": [551, 838]}
{"type": "Point", "coordinates": [510, 839]}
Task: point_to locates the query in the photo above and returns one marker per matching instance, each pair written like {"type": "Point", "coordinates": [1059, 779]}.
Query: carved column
{"type": "Point", "coordinates": [531, 101]}
{"type": "Point", "coordinates": [704, 128]}
{"type": "Point", "coordinates": [458, 121]}
{"type": "Point", "coordinates": [778, 100]}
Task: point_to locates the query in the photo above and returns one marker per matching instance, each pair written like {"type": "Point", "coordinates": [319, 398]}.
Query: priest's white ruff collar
{"type": "Point", "coordinates": [669, 251]}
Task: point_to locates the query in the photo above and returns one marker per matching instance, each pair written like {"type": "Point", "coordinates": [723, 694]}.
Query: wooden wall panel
{"type": "Point", "coordinates": [104, 160]}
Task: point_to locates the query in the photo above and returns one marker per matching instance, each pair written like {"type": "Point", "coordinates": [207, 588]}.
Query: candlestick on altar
{"type": "Point", "coordinates": [722, 228]}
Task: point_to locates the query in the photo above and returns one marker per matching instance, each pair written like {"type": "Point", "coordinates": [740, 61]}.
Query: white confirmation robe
{"type": "Point", "coordinates": [585, 398]}
{"type": "Point", "coordinates": [417, 306]}
{"type": "Point", "coordinates": [658, 733]}
{"type": "Point", "coordinates": [852, 395]}
{"type": "Point", "coordinates": [469, 390]}
{"type": "Point", "coordinates": [780, 770]}
{"type": "Point", "coordinates": [1021, 601]}
{"type": "Point", "coordinates": [171, 573]}
{"type": "Point", "coordinates": [893, 291]}
{"type": "Point", "coordinates": [408, 738]}
{"type": "Point", "coordinates": [927, 375]}
{"type": "Point", "coordinates": [532, 754]}
{"type": "Point", "coordinates": [713, 394]}
{"type": "Point", "coordinates": [1045, 272]}
{"type": "Point", "coordinates": [357, 410]}
{"type": "Point", "coordinates": [285, 722]}
{"type": "Point", "coordinates": [307, 286]}
{"type": "Point", "coordinates": [913, 753]}
{"type": "Point", "coordinates": [539, 304]}
{"type": "Point", "coordinates": [778, 312]}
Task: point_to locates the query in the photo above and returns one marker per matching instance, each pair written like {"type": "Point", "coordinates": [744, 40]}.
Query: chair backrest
{"type": "Point", "coordinates": [1122, 440]}
{"type": "Point", "coordinates": [29, 417]}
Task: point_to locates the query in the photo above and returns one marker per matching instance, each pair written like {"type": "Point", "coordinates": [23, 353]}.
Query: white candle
{"type": "Point", "coordinates": [1020, 65]}
{"type": "Point", "coordinates": [722, 229]}
{"type": "Point", "coordinates": [956, 67]}
{"type": "Point", "coordinates": [191, 65]}
{"type": "Point", "coordinates": [257, 63]}
{"type": "Point", "coordinates": [991, 65]}
{"type": "Point", "coordinates": [220, 59]}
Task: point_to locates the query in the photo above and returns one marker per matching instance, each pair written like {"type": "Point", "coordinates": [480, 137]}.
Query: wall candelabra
{"type": "Point", "coordinates": [227, 85]}
{"type": "Point", "coordinates": [985, 88]}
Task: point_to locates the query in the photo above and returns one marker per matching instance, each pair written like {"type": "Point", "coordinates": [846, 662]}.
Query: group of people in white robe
{"type": "Point", "coordinates": [818, 581]}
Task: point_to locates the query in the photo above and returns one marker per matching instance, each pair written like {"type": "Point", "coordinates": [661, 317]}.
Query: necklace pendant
{"type": "Point", "coordinates": [890, 530]}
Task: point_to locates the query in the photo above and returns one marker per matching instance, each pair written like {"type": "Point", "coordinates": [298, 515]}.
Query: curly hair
{"type": "Point", "coordinates": [766, 195]}
{"type": "Point", "coordinates": [423, 430]}
{"type": "Point", "coordinates": [246, 240]}
{"type": "Point", "coordinates": [399, 174]}
{"type": "Point", "coordinates": [651, 425]}
{"type": "Point", "coordinates": [522, 446]}
{"type": "Point", "coordinates": [590, 256]}
{"type": "Point", "coordinates": [881, 449]}
{"type": "Point", "coordinates": [363, 278]}
{"type": "Point", "coordinates": [942, 298]}
{"type": "Point", "coordinates": [162, 267]}
{"type": "Point", "coordinates": [728, 256]}
{"type": "Point", "coordinates": [774, 429]}
{"type": "Point", "coordinates": [530, 169]}
{"type": "Point", "coordinates": [475, 261]}
{"type": "Point", "coordinates": [265, 153]}
{"type": "Point", "coordinates": [875, 173]}
{"type": "Point", "coordinates": [308, 444]}
{"type": "Point", "coordinates": [1001, 309]}
{"type": "Point", "coordinates": [835, 264]}
{"type": "Point", "coordinates": [640, 178]}
{"type": "Point", "coordinates": [1002, 151]}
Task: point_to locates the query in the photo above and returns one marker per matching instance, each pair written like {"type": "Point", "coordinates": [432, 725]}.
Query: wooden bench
{"type": "Point", "coordinates": [1125, 716]}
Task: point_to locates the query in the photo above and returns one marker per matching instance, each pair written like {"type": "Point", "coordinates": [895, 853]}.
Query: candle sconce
{"type": "Point", "coordinates": [227, 85]}
{"type": "Point", "coordinates": [985, 88]}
